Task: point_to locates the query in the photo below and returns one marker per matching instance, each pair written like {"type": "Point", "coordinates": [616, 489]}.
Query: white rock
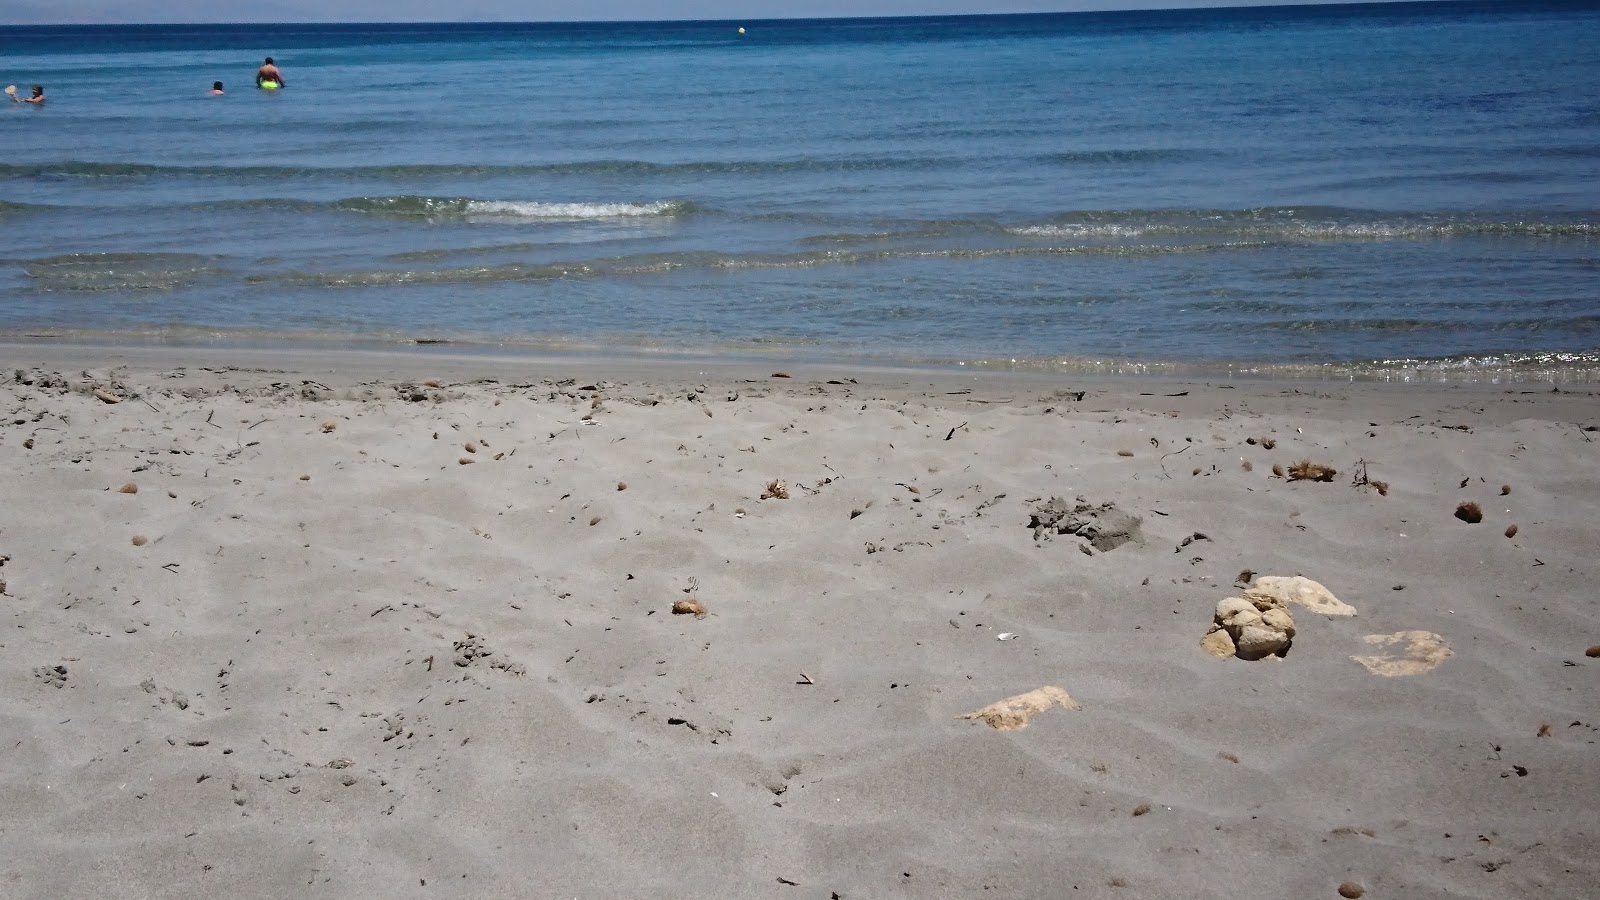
{"type": "Point", "coordinates": [1298, 589]}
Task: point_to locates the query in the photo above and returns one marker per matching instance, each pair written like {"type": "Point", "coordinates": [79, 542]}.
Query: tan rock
{"type": "Point", "coordinates": [1423, 652]}
{"type": "Point", "coordinates": [1228, 607]}
{"type": "Point", "coordinates": [1279, 619]}
{"type": "Point", "coordinates": [1241, 619]}
{"type": "Point", "coordinates": [1013, 713]}
{"type": "Point", "coordinates": [1218, 642]}
{"type": "Point", "coordinates": [1259, 641]}
{"type": "Point", "coordinates": [1303, 591]}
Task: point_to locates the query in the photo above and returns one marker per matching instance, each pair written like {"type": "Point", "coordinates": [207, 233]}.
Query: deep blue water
{"type": "Point", "coordinates": [1270, 186]}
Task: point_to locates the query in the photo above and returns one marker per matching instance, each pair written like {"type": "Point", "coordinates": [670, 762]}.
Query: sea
{"type": "Point", "coordinates": [1394, 191]}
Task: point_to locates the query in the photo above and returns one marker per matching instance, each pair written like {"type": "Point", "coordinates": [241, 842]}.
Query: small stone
{"type": "Point", "coordinates": [1351, 890]}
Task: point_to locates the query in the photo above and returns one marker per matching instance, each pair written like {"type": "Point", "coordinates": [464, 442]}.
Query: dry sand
{"type": "Point", "coordinates": [343, 663]}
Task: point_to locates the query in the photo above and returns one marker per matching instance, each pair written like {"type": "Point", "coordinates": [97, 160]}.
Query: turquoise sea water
{"type": "Point", "coordinates": [1269, 187]}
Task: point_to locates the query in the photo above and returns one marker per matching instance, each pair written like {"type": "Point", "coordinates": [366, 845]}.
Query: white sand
{"type": "Point", "coordinates": [264, 699]}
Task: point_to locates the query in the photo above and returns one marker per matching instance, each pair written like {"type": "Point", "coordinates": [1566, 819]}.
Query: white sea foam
{"type": "Point", "coordinates": [516, 209]}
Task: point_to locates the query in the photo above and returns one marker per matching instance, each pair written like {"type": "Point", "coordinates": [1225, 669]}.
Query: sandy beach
{"type": "Point", "coordinates": [290, 624]}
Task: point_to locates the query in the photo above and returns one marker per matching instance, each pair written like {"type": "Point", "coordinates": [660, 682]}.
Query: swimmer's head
{"type": "Point", "coordinates": [216, 85]}
{"type": "Point", "coordinates": [270, 62]}
{"type": "Point", "coordinates": [38, 90]}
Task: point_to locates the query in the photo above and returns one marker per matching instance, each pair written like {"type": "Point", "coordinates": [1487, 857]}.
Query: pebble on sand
{"type": "Point", "coordinates": [329, 425]}
{"type": "Point", "coordinates": [1351, 890]}
{"type": "Point", "coordinates": [689, 607]}
{"type": "Point", "coordinates": [129, 488]}
{"type": "Point", "coordinates": [140, 540]}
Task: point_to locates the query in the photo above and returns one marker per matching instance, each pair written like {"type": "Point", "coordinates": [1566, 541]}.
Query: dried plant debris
{"type": "Point", "coordinates": [139, 540]}
{"type": "Point", "coordinates": [1013, 713]}
{"type": "Point", "coordinates": [1469, 512]}
{"type": "Point", "coordinates": [1306, 470]}
{"type": "Point", "coordinates": [329, 425]}
{"type": "Point", "coordinates": [1423, 652]}
{"type": "Point", "coordinates": [471, 649]}
{"type": "Point", "coordinates": [1124, 452]}
{"type": "Point", "coordinates": [776, 490]}
{"type": "Point", "coordinates": [1362, 479]}
{"type": "Point", "coordinates": [1105, 526]}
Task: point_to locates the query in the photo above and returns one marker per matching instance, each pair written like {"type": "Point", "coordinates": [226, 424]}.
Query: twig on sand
{"type": "Point", "coordinates": [1162, 462]}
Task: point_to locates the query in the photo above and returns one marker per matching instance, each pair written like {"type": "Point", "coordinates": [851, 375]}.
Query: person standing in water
{"type": "Point", "coordinates": [268, 73]}
{"type": "Point", "coordinates": [37, 97]}
{"type": "Point", "coordinates": [216, 87]}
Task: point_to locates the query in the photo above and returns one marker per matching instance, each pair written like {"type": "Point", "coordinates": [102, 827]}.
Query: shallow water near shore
{"type": "Point", "coordinates": [1372, 192]}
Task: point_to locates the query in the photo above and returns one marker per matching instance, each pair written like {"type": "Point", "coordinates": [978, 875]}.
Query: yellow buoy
{"type": "Point", "coordinates": [741, 29]}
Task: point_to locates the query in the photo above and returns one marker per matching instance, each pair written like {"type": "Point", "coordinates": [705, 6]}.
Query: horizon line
{"type": "Point", "coordinates": [1210, 6]}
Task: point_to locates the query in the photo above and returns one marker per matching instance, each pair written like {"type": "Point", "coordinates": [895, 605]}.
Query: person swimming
{"type": "Point", "coordinates": [216, 87]}
{"type": "Point", "coordinates": [268, 76]}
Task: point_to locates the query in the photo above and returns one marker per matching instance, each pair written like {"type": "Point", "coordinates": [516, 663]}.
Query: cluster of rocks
{"type": "Point", "coordinates": [1254, 626]}
{"type": "Point", "coordinates": [1258, 625]}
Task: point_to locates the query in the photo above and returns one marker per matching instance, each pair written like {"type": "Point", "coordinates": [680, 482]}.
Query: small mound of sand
{"type": "Point", "coordinates": [1424, 651]}
{"type": "Point", "coordinates": [1013, 713]}
{"type": "Point", "coordinates": [1105, 527]}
